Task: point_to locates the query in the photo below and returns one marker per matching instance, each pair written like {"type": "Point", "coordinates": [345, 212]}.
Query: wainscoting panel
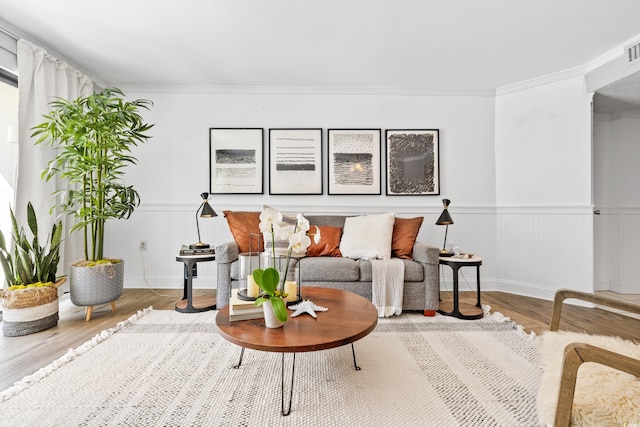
{"type": "Point", "coordinates": [527, 251]}
{"type": "Point", "coordinates": [541, 250]}
{"type": "Point", "coordinates": [624, 226]}
{"type": "Point", "coordinates": [164, 229]}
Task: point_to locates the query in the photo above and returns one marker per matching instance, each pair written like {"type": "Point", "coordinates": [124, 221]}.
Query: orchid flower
{"type": "Point", "coordinates": [299, 241]}
{"type": "Point", "coordinates": [269, 278]}
{"type": "Point", "coordinates": [302, 224]}
{"type": "Point", "coordinates": [268, 219]}
{"type": "Point", "coordinates": [283, 232]}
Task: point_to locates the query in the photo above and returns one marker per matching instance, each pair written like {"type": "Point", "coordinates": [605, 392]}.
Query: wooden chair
{"type": "Point", "coordinates": [576, 354]}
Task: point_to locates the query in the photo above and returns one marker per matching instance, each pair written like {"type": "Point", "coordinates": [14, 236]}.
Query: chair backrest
{"type": "Point", "coordinates": [578, 352]}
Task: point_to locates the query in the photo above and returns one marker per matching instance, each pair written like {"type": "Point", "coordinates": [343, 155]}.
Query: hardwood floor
{"type": "Point", "coordinates": [21, 356]}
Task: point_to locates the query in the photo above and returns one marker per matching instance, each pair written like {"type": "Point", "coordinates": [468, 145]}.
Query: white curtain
{"type": "Point", "coordinates": [41, 79]}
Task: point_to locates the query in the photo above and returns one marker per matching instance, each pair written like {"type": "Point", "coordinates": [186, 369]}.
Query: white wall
{"type": "Point", "coordinates": [543, 188]}
{"type": "Point", "coordinates": [174, 168]}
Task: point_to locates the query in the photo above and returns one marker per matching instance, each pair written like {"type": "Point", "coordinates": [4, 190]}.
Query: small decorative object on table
{"type": "Point", "coordinates": [269, 280]}
{"type": "Point", "coordinates": [306, 306]}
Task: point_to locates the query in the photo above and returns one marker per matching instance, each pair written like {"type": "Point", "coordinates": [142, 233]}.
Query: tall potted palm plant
{"type": "Point", "coordinates": [93, 137]}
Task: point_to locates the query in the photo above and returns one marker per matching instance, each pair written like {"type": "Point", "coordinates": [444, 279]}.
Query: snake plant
{"type": "Point", "coordinates": [26, 262]}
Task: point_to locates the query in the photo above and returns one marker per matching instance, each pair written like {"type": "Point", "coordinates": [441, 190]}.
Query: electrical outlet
{"type": "Point", "coordinates": [143, 245]}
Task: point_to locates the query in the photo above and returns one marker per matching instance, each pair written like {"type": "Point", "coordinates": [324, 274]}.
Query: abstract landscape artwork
{"type": "Point", "coordinates": [235, 160]}
{"type": "Point", "coordinates": [354, 161]}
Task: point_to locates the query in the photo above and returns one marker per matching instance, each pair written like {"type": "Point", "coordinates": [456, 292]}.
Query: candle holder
{"type": "Point", "coordinates": [292, 285]}
{"type": "Point", "coordinates": [247, 262]}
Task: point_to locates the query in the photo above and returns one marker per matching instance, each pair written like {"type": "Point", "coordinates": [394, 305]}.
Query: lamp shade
{"type": "Point", "coordinates": [207, 210]}
{"type": "Point", "coordinates": [445, 217]}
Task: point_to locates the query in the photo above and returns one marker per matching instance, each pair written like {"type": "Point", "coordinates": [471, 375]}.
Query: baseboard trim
{"type": "Point", "coordinates": [625, 288]}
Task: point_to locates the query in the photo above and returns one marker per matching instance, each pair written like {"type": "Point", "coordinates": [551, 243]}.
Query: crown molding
{"type": "Point", "coordinates": [570, 73]}
{"type": "Point", "coordinates": [304, 90]}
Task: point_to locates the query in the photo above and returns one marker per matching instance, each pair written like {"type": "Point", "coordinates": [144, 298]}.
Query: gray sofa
{"type": "Point", "coordinates": [421, 287]}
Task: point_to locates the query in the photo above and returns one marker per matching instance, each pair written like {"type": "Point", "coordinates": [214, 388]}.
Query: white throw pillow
{"type": "Point", "coordinates": [367, 236]}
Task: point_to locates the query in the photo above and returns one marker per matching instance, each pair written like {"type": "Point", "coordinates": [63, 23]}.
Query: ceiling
{"type": "Point", "coordinates": [462, 45]}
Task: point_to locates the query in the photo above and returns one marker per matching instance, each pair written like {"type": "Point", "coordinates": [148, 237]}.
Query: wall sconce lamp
{"type": "Point", "coordinates": [207, 212]}
{"type": "Point", "coordinates": [445, 219]}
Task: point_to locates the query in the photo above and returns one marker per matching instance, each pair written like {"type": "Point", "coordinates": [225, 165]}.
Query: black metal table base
{"type": "Point", "coordinates": [455, 312]}
{"type": "Point", "coordinates": [286, 409]}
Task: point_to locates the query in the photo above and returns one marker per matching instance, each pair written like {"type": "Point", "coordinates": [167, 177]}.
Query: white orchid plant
{"type": "Point", "coordinates": [268, 280]}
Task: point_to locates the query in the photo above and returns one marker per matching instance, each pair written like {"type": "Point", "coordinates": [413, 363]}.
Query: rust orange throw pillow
{"type": "Point", "coordinates": [242, 224]}
{"type": "Point", "coordinates": [405, 232]}
{"type": "Point", "coordinates": [329, 244]}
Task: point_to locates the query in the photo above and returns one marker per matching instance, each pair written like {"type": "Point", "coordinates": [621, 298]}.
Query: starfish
{"type": "Point", "coordinates": [306, 306]}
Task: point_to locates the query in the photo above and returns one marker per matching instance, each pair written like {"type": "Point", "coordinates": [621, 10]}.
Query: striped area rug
{"type": "Point", "coordinates": [163, 368]}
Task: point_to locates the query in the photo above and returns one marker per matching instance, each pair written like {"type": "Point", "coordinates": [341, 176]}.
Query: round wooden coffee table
{"type": "Point", "coordinates": [349, 318]}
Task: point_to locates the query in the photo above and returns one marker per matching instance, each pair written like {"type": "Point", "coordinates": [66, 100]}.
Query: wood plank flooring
{"type": "Point", "coordinates": [21, 356]}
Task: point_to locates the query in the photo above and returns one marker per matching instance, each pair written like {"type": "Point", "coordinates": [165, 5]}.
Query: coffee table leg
{"type": "Point", "coordinates": [239, 361]}
{"type": "Point", "coordinates": [355, 364]}
{"type": "Point", "coordinates": [287, 411]}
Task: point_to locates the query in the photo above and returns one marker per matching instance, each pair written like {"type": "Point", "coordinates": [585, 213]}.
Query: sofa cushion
{"type": "Point", "coordinates": [413, 271]}
{"type": "Point", "coordinates": [405, 232]}
{"type": "Point", "coordinates": [367, 236]}
{"type": "Point", "coordinates": [329, 269]}
{"type": "Point", "coordinates": [329, 244]}
{"type": "Point", "coordinates": [242, 225]}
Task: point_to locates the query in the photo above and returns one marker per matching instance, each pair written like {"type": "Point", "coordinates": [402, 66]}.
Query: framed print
{"type": "Point", "coordinates": [235, 160]}
{"type": "Point", "coordinates": [295, 161]}
{"type": "Point", "coordinates": [354, 161]}
{"type": "Point", "coordinates": [412, 162]}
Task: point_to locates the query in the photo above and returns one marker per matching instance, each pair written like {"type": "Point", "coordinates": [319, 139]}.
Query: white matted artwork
{"type": "Point", "coordinates": [354, 161]}
{"type": "Point", "coordinates": [235, 160]}
{"type": "Point", "coordinates": [295, 161]}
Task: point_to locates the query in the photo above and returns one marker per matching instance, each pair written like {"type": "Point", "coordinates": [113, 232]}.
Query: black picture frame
{"type": "Point", "coordinates": [412, 162]}
{"type": "Point", "coordinates": [354, 161]}
{"type": "Point", "coordinates": [236, 160]}
{"type": "Point", "coordinates": [295, 161]}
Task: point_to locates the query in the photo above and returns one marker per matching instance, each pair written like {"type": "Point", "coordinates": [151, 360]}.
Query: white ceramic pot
{"type": "Point", "coordinates": [270, 319]}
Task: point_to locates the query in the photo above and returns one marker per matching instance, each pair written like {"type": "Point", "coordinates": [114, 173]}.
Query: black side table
{"type": "Point", "coordinates": [189, 304]}
{"type": "Point", "coordinates": [473, 312]}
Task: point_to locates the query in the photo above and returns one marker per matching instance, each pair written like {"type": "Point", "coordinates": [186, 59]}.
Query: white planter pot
{"type": "Point", "coordinates": [270, 319]}
{"type": "Point", "coordinates": [96, 285]}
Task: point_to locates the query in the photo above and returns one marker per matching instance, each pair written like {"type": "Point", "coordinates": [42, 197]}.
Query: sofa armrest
{"type": "Point", "coordinates": [426, 253]}
{"type": "Point", "coordinates": [227, 252]}
{"type": "Point", "coordinates": [428, 256]}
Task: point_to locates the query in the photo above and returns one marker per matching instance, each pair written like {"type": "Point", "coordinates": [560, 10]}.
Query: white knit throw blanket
{"type": "Point", "coordinates": [387, 280]}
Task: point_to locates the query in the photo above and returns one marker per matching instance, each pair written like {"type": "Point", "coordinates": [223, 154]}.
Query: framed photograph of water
{"type": "Point", "coordinates": [354, 161]}
{"type": "Point", "coordinates": [295, 161]}
{"type": "Point", "coordinates": [235, 160]}
{"type": "Point", "coordinates": [412, 162]}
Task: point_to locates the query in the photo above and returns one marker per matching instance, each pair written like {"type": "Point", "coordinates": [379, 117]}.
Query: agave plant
{"type": "Point", "coordinates": [30, 263]}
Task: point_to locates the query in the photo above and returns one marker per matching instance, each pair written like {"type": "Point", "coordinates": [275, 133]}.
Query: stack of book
{"type": "Point", "coordinates": [186, 250]}
{"type": "Point", "coordinates": [243, 310]}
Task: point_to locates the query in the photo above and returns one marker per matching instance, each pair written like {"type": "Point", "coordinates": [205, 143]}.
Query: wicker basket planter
{"type": "Point", "coordinates": [98, 284]}
{"type": "Point", "coordinates": [27, 311]}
